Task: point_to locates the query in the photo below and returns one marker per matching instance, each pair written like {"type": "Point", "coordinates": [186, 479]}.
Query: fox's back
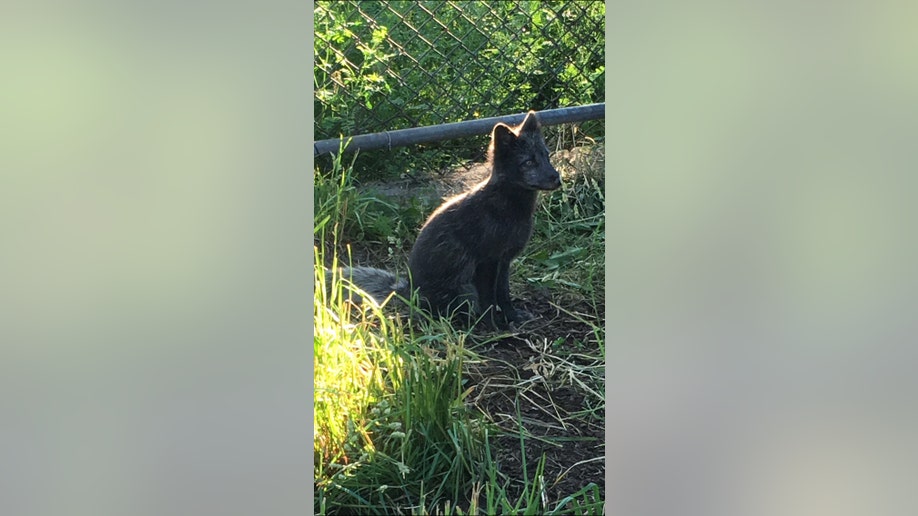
{"type": "Point", "coordinates": [482, 224]}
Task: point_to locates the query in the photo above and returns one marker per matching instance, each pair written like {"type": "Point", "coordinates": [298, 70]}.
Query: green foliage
{"type": "Point", "coordinates": [394, 65]}
{"type": "Point", "coordinates": [336, 200]}
{"type": "Point", "coordinates": [531, 499]}
{"type": "Point", "coordinates": [354, 215]}
{"type": "Point", "coordinates": [567, 251]}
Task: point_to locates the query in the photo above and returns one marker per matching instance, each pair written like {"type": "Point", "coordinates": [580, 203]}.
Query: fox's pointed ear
{"type": "Point", "coordinates": [530, 123]}
{"type": "Point", "coordinates": [502, 134]}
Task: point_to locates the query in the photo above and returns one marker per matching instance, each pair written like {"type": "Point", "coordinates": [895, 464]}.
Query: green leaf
{"type": "Point", "coordinates": [567, 256]}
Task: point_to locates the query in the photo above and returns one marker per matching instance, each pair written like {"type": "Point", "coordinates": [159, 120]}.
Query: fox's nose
{"type": "Point", "coordinates": [555, 182]}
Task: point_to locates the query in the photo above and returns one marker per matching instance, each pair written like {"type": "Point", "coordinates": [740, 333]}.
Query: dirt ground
{"type": "Point", "coordinates": [553, 410]}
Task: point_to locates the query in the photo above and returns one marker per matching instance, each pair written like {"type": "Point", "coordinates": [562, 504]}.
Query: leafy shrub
{"type": "Point", "coordinates": [384, 65]}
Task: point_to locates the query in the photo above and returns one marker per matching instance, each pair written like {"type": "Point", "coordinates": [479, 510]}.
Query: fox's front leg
{"type": "Point", "coordinates": [503, 292]}
{"type": "Point", "coordinates": [512, 315]}
{"type": "Point", "coordinates": [486, 282]}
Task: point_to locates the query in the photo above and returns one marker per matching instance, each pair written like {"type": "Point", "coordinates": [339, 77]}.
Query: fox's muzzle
{"type": "Point", "coordinates": [548, 179]}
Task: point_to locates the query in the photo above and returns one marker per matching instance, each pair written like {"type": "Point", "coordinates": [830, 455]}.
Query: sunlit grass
{"type": "Point", "coordinates": [392, 429]}
{"type": "Point", "coordinates": [348, 363]}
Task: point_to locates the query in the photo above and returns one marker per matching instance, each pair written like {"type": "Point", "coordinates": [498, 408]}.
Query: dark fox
{"type": "Point", "coordinates": [460, 263]}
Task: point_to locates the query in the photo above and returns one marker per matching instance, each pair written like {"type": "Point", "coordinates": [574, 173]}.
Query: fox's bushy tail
{"type": "Point", "coordinates": [376, 283]}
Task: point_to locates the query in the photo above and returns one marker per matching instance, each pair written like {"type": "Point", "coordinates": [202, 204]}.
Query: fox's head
{"type": "Point", "coordinates": [519, 156]}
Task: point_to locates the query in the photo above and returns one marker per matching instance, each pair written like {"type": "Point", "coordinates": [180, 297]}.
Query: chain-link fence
{"type": "Point", "coordinates": [385, 65]}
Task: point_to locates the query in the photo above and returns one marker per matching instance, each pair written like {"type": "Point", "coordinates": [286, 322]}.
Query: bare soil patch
{"type": "Point", "coordinates": [545, 383]}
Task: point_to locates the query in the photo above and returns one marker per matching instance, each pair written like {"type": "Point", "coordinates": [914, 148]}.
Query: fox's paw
{"type": "Point", "coordinates": [519, 317]}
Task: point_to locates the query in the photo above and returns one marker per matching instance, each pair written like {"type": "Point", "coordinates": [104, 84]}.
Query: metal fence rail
{"type": "Point", "coordinates": [402, 137]}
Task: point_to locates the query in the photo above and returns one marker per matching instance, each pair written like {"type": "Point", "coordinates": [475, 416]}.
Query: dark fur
{"type": "Point", "coordinates": [460, 263]}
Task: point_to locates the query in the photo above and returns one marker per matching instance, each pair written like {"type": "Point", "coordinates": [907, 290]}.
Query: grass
{"type": "Point", "coordinates": [391, 428]}
{"type": "Point", "coordinates": [419, 417]}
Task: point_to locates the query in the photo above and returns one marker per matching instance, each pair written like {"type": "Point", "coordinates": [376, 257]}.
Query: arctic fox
{"type": "Point", "coordinates": [460, 263]}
